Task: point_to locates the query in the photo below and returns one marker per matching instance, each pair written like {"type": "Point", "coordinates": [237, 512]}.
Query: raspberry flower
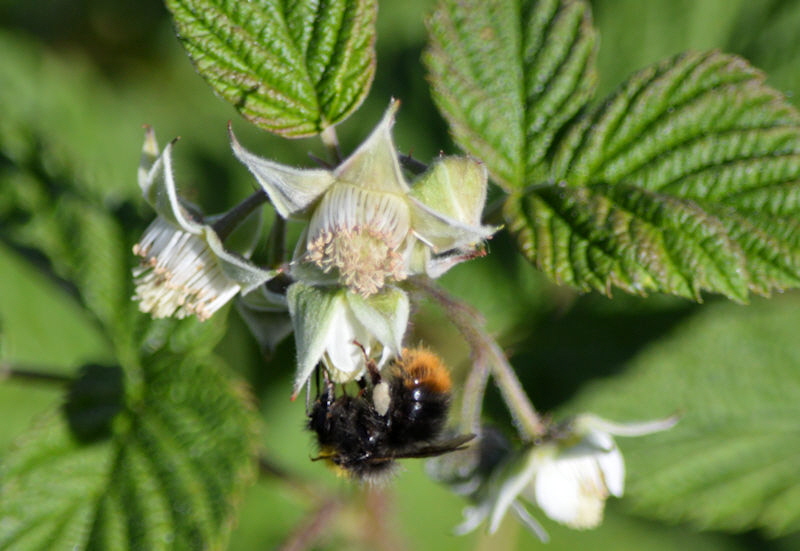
{"type": "Point", "coordinates": [569, 476]}
{"type": "Point", "coordinates": [368, 228]}
{"type": "Point", "coordinates": [339, 328]}
{"type": "Point", "coordinates": [184, 268]}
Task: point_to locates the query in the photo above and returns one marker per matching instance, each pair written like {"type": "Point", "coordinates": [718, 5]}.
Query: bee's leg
{"type": "Point", "coordinates": [372, 367]}
{"type": "Point", "coordinates": [325, 396]}
{"type": "Point", "coordinates": [380, 389]}
{"type": "Point", "coordinates": [330, 390]}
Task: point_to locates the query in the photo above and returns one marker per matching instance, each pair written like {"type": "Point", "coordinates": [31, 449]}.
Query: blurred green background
{"type": "Point", "coordinates": [82, 77]}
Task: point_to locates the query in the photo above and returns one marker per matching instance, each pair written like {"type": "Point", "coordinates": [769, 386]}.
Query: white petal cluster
{"type": "Point", "coordinates": [184, 268]}
{"type": "Point", "coordinates": [343, 329]}
{"type": "Point", "coordinates": [573, 486]}
{"type": "Point", "coordinates": [367, 230]}
{"type": "Point", "coordinates": [569, 477]}
{"type": "Point", "coordinates": [178, 274]}
{"type": "Point", "coordinates": [368, 227]}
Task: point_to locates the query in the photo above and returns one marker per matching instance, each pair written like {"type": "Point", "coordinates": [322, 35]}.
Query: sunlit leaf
{"type": "Point", "coordinates": [293, 68]}
{"type": "Point", "coordinates": [686, 180]}
{"type": "Point", "coordinates": [508, 76]}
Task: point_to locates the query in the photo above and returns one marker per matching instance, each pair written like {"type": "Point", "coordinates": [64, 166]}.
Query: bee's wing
{"type": "Point", "coordinates": [436, 448]}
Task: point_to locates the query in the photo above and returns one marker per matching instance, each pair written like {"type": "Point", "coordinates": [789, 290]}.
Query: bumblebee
{"type": "Point", "coordinates": [396, 415]}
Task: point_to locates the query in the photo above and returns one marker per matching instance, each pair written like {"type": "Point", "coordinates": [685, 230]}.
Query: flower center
{"type": "Point", "coordinates": [358, 232]}
{"type": "Point", "coordinates": [362, 256]}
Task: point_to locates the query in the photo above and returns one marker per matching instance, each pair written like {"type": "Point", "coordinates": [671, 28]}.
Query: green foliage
{"type": "Point", "coordinates": [730, 463]}
{"type": "Point", "coordinates": [166, 475]}
{"type": "Point", "coordinates": [508, 78]}
{"type": "Point", "coordinates": [49, 210]}
{"type": "Point", "coordinates": [153, 453]}
{"type": "Point", "coordinates": [293, 68]}
{"type": "Point", "coordinates": [683, 181]}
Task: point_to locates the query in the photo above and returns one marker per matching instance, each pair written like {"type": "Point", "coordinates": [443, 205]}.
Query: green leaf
{"type": "Point", "coordinates": [731, 462]}
{"type": "Point", "coordinates": [293, 68]}
{"type": "Point", "coordinates": [63, 108]}
{"type": "Point", "coordinates": [45, 208]}
{"type": "Point", "coordinates": [62, 178]}
{"type": "Point", "coordinates": [42, 325]}
{"type": "Point", "coordinates": [508, 76]}
{"type": "Point", "coordinates": [686, 180]}
{"type": "Point", "coordinates": [168, 476]}
{"type": "Point", "coordinates": [625, 236]}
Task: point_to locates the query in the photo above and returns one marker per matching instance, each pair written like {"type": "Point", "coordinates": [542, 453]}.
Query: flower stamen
{"type": "Point", "coordinates": [358, 232]}
{"type": "Point", "coordinates": [179, 274]}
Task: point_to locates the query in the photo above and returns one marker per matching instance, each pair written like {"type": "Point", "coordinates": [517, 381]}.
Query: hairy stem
{"type": "Point", "coordinates": [488, 358]}
{"type": "Point", "coordinates": [225, 225]}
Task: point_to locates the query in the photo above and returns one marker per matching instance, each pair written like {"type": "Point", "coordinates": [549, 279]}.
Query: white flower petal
{"type": "Point", "coordinates": [343, 358]}
{"type": "Point", "coordinates": [185, 270]}
{"type": "Point", "coordinates": [571, 491]}
{"type": "Point", "coordinates": [514, 478]}
{"type": "Point", "coordinates": [612, 465]}
{"type": "Point", "coordinates": [328, 326]}
{"type": "Point", "coordinates": [356, 233]}
{"type": "Point", "coordinates": [179, 274]}
{"type": "Point", "coordinates": [350, 206]}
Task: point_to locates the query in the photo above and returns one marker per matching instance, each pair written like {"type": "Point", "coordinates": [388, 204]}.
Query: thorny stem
{"type": "Point", "coordinates": [231, 219]}
{"type": "Point", "coordinates": [488, 358]}
{"type": "Point", "coordinates": [31, 373]}
{"type": "Point", "coordinates": [331, 142]}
